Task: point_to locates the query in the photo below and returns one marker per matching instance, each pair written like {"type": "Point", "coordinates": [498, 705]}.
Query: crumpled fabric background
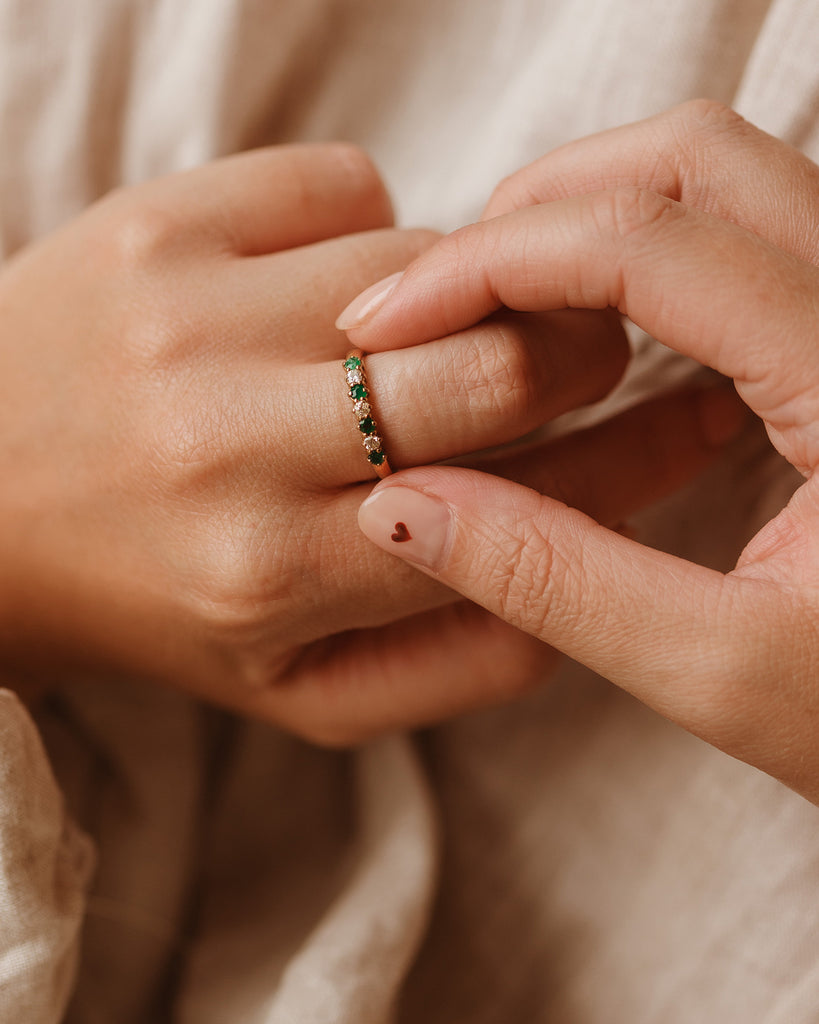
{"type": "Point", "coordinates": [571, 857]}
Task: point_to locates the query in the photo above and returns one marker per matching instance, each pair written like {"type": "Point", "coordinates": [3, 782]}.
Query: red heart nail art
{"type": "Point", "coordinates": [401, 533]}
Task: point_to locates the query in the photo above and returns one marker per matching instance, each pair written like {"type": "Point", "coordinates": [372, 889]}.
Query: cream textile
{"type": "Point", "coordinates": [570, 859]}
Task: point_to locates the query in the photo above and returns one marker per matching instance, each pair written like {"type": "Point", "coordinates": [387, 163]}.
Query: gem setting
{"type": "Point", "coordinates": [359, 393]}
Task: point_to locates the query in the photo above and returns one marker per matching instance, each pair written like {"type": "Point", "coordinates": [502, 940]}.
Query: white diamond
{"type": "Point", "coordinates": [362, 409]}
{"type": "Point", "coordinates": [372, 443]}
{"type": "Point", "coordinates": [355, 377]}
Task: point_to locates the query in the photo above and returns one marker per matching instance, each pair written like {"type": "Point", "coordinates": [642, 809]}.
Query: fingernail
{"type": "Point", "coordinates": [722, 415]}
{"type": "Point", "coordinates": [408, 523]}
{"type": "Point", "coordinates": [367, 303]}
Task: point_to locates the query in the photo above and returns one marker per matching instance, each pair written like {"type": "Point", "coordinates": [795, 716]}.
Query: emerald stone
{"type": "Point", "coordinates": [367, 425]}
{"type": "Point", "coordinates": [376, 458]}
{"type": "Point", "coordinates": [358, 391]}
{"type": "Point", "coordinates": [351, 363]}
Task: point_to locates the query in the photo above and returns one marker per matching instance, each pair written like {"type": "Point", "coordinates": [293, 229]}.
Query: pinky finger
{"type": "Point", "coordinates": [410, 673]}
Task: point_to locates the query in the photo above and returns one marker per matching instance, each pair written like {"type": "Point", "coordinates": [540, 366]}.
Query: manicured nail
{"type": "Point", "coordinates": [408, 523]}
{"type": "Point", "coordinates": [367, 303]}
{"type": "Point", "coordinates": [723, 415]}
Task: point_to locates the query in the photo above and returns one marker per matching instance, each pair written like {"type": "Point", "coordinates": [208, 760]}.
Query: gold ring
{"type": "Point", "coordinates": [359, 392]}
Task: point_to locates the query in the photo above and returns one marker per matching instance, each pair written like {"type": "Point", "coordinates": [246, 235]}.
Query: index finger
{"type": "Point", "coordinates": [706, 287]}
{"type": "Point", "coordinates": [702, 154]}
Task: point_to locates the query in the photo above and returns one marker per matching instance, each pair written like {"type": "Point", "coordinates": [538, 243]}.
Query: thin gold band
{"type": "Point", "coordinates": [359, 392]}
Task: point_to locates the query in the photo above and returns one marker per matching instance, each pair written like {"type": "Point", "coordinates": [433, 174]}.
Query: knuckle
{"type": "Point", "coordinates": [136, 241]}
{"type": "Point", "coordinates": [526, 562]}
{"type": "Point", "coordinates": [355, 159]}
{"type": "Point", "coordinates": [361, 168]}
{"type": "Point", "coordinates": [224, 597]}
{"type": "Point", "coordinates": [190, 443]}
{"type": "Point", "coordinates": [229, 539]}
{"type": "Point", "coordinates": [239, 598]}
{"type": "Point", "coordinates": [697, 129]}
{"type": "Point", "coordinates": [631, 212]}
{"type": "Point", "coordinates": [354, 169]}
{"type": "Point", "coordinates": [499, 374]}
{"type": "Point", "coordinates": [462, 247]}
{"type": "Point", "coordinates": [154, 347]}
{"type": "Point", "coordinates": [140, 230]}
{"type": "Point", "coordinates": [511, 193]}
{"type": "Point", "coordinates": [419, 240]}
{"type": "Point", "coordinates": [637, 223]}
{"type": "Point", "coordinates": [393, 251]}
{"type": "Point", "coordinates": [504, 196]}
{"type": "Point", "coordinates": [702, 115]}
{"type": "Point", "coordinates": [174, 439]}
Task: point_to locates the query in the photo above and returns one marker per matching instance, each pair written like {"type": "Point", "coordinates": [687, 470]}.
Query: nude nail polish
{"type": "Point", "coordinates": [365, 305]}
{"type": "Point", "coordinates": [408, 523]}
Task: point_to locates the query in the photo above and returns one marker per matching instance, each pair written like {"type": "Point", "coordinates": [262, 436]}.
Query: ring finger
{"type": "Point", "coordinates": [474, 390]}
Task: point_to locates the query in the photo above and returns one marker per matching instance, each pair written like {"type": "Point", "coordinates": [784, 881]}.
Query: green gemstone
{"type": "Point", "coordinates": [367, 425]}
{"type": "Point", "coordinates": [358, 391]}
{"type": "Point", "coordinates": [351, 363]}
{"type": "Point", "coordinates": [376, 458]}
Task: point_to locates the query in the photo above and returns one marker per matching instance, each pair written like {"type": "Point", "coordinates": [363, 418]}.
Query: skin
{"type": "Point", "coordinates": [184, 472]}
{"type": "Point", "coordinates": [705, 232]}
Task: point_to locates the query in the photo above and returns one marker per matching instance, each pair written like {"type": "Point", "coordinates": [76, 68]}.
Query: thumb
{"type": "Point", "coordinates": [632, 614]}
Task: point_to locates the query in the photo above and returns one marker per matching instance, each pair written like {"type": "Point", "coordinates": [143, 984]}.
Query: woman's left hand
{"type": "Point", "coordinates": [705, 232]}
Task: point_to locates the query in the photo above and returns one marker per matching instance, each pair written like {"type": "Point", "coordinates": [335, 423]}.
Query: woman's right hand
{"type": "Point", "coordinates": [182, 471]}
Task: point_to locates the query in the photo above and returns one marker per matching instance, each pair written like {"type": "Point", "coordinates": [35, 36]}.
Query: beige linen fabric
{"type": "Point", "coordinates": [570, 859]}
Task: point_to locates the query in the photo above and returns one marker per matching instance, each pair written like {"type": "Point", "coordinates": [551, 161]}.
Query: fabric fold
{"type": "Point", "coordinates": [45, 867]}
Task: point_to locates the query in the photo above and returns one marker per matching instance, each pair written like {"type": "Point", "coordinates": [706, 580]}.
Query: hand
{"type": "Point", "coordinates": [705, 232]}
{"type": "Point", "coordinates": [183, 469]}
